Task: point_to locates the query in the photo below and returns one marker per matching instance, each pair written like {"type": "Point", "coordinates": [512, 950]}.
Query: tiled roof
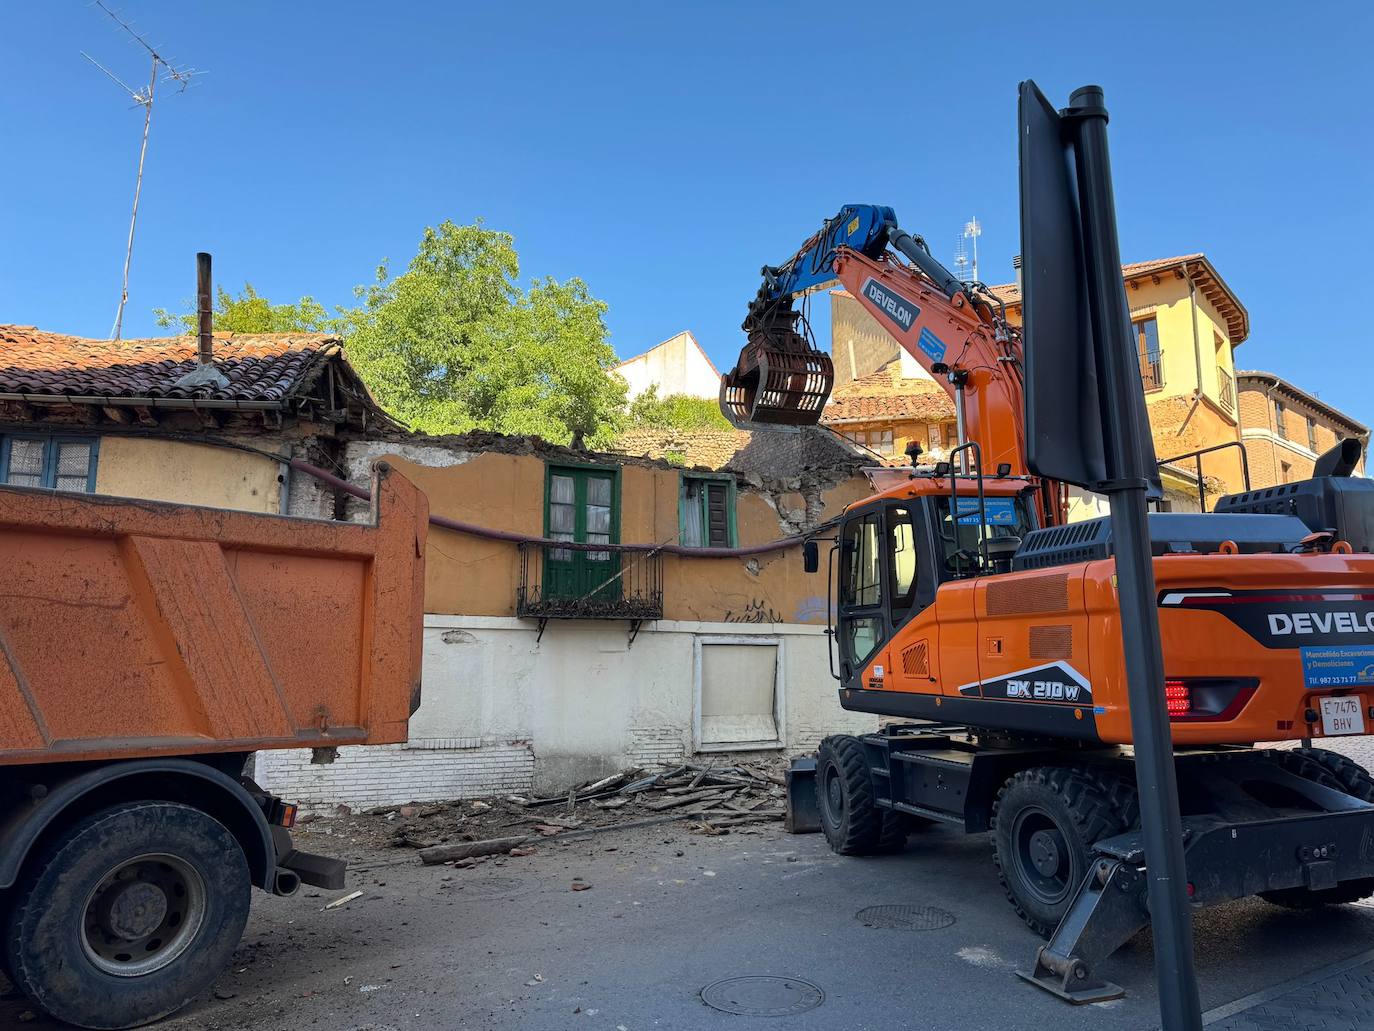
{"type": "Point", "coordinates": [1211, 284]}
{"type": "Point", "coordinates": [916, 407]}
{"type": "Point", "coordinates": [265, 368]}
{"type": "Point", "coordinates": [885, 396]}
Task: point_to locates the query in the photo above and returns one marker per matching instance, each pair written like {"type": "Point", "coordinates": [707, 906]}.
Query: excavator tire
{"type": "Point", "coordinates": [1335, 771]}
{"type": "Point", "coordinates": [1045, 822]}
{"type": "Point", "coordinates": [853, 823]}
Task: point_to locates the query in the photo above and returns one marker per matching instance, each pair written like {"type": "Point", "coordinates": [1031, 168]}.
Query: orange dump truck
{"type": "Point", "coordinates": [146, 650]}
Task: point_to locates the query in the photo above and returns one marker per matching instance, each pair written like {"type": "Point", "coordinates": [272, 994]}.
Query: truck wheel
{"type": "Point", "coordinates": [852, 822]}
{"type": "Point", "coordinates": [1045, 822]}
{"type": "Point", "coordinates": [128, 915]}
{"type": "Point", "coordinates": [1337, 771]}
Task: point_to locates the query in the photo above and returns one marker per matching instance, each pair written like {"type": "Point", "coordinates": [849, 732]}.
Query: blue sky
{"type": "Point", "coordinates": [665, 152]}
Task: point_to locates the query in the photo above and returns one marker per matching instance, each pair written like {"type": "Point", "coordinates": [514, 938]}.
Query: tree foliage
{"type": "Point", "coordinates": [676, 412]}
{"type": "Point", "coordinates": [453, 343]}
{"type": "Point", "coordinates": [251, 313]}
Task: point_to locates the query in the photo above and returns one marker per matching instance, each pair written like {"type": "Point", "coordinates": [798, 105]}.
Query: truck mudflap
{"type": "Point", "coordinates": [802, 813]}
{"type": "Point", "coordinates": [1225, 860]}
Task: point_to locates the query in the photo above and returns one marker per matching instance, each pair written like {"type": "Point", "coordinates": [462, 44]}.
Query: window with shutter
{"type": "Point", "coordinates": [706, 507]}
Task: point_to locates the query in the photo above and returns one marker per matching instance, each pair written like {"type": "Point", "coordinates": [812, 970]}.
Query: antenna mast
{"type": "Point", "coordinates": [143, 98]}
{"type": "Point", "coordinates": [972, 230]}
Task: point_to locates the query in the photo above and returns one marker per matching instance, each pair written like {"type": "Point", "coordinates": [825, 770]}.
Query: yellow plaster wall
{"type": "Point", "coordinates": [467, 575]}
{"type": "Point", "coordinates": [1168, 303]}
{"type": "Point", "coordinates": [170, 470]}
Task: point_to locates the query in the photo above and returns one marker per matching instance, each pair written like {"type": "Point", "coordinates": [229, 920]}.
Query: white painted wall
{"type": "Point", "coordinates": [678, 366]}
{"type": "Point", "coordinates": [501, 712]}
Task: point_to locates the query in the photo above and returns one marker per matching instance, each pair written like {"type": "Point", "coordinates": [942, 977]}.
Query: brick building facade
{"type": "Point", "coordinates": [1285, 429]}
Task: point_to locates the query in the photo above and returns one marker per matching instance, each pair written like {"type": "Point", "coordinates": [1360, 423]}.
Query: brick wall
{"type": "Point", "coordinates": [1268, 456]}
{"type": "Point", "coordinates": [362, 777]}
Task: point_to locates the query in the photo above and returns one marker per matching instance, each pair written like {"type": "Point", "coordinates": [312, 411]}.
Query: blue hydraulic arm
{"type": "Point", "coordinates": [860, 227]}
{"type": "Point", "coordinates": [781, 377]}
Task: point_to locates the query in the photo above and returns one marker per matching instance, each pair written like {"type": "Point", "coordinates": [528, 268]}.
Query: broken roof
{"type": "Point", "coordinates": [768, 452]}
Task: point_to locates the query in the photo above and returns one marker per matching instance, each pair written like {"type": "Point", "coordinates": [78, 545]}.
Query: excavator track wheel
{"type": "Point", "coordinates": [851, 819]}
{"type": "Point", "coordinates": [1045, 822]}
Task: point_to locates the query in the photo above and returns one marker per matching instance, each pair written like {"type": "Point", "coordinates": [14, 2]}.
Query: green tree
{"type": "Point", "coordinates": [251, 313]}
{"type": "Point", "coordinates": [453, 344]}
{"type": "Point", "coordinates": [676, 412]}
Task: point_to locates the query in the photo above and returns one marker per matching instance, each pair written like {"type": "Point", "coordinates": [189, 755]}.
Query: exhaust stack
{"type": "Point", "coordinates": [204, 376]}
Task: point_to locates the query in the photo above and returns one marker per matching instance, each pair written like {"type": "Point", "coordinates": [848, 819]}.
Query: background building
{"type": "Point", "coordinates": [677, 366]}
{"type": "Point", "coordinates": [1187, 323]}
{"type": "Point", "coordinates": [1284, 429]}
{"type": "Point", "coordinates": [887, 410]}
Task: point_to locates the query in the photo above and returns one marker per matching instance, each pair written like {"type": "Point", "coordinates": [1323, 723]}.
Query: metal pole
{"type": "Point", "coordinates": [1154, 760]}
{"type": "Point", "coordinates": [138, 189]}
{"type": "Point", "coordinates": [959, 379]}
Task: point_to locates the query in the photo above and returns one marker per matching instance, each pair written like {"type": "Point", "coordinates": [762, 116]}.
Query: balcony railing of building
{"type": "Point", "coordinates": [590, 581]}
{"type": "Point", "coordinates": [1151, 375]}
{"type": "Point", "coordinates": [1226, 390]}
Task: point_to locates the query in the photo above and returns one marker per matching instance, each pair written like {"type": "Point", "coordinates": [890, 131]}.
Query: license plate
{"type": "Point", "coordinates": [1344, 715]}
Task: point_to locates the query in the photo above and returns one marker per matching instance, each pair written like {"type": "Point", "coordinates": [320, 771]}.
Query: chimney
{"type": "Point", "coordinates": [205, 339]}
{"type": "Point", "coordinates": [1015, 263]}
{"type": "Point", "coordinates": [204, 376]}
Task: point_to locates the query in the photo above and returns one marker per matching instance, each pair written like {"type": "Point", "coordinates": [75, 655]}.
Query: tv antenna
{"type": "Point", "coordinates": [166, 71]}
{"type": "Point", "coordinates": [961, 261]}
{"type": "Point", "coordinates": [972, 230]}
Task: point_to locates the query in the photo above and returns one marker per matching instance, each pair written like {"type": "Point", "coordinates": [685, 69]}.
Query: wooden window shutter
{"type": "Point", "coordinates": [717, 515]}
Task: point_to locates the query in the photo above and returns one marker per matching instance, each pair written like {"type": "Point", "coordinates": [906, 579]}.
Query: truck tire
{"type": "Point", "coordinates": [1045, 822]}
{"type": "Point", "coordinates": [128, 915]}
{"type": "Point", "coordinates": [1336, 771]}
{"type": "Point", "coordinates": [853, 823]}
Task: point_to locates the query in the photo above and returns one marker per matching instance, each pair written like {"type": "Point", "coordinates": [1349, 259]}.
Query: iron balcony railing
{"type": "Point", "coordinates": [589, 581]}
{"type": "Point", "coordinates": [1226, 389]}
{"type": "Point", "coordinates": [1150, 373]}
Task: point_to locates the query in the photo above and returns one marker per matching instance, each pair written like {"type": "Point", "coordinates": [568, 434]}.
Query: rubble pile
{"type": "Point", "coordinates": [712, 798]}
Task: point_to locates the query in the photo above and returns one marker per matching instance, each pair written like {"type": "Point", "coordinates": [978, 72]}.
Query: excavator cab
{"type": "Point", "coordinates": [781, 378]}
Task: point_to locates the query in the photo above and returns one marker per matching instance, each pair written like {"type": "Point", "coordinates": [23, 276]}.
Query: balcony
{"type": "Point", "coordinates": [1151, 375]}
{"type": "Point", "coordinates": [590, 581]}
{"type": "Point", "coordinates": [1226, 390]}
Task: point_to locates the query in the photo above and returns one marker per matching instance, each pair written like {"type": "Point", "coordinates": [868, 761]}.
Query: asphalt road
{"type": "Point", "coordinates": [509, 945]}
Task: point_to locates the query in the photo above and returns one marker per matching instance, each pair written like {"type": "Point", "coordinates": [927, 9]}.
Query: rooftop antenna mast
{"type": "Point", "coordinates": [972, 230]}
{"type": "Point", "coordinates": [163, 69]}
{"type": "Point", "coordinates": [961, 260]}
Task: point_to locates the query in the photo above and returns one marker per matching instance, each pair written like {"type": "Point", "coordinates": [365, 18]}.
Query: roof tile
{"type": "Point", "coordinates": [260, 368]}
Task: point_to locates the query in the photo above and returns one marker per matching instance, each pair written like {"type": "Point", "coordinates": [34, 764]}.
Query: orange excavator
{"type": "Point", "coordinates": [967, 608]}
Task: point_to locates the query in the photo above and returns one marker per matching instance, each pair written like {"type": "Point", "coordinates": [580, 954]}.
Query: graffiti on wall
{"type": "Point", "coordinates": [755, 611]}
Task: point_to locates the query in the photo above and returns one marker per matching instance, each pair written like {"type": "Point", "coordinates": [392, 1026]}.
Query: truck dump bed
{"type": "Point", "coordinates": [134, 628]}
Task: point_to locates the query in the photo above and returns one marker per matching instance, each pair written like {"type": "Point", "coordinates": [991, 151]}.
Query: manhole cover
{"type": "Point", "coordinates": [905, 918]}
{"type": "Point", "coordinates": [762, 996]}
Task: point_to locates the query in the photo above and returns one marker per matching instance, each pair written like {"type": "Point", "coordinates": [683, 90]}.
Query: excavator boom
{"type": "Point", "coordinates": [952, 329]}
